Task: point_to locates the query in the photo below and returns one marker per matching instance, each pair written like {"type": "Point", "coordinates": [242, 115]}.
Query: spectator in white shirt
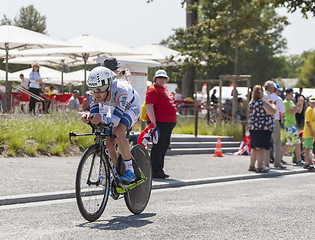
{"type": "Point", "coordinates": [276, 134]}
{"type": "Point", "coordinates": [24, 82]}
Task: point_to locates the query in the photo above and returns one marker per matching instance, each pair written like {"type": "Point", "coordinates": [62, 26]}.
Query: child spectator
{"type": "Point", "coordinates": [309, 132]}
{"type": "Point", "coordinates": [300, 163]}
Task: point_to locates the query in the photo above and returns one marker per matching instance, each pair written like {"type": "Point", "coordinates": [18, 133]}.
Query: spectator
{"type": "Point", "coordinates": [53, 90]}
{"type": "Point", "coordinates": [301, 163]}
{"type": "Point", "coordinates": [240, 113]}
{"type": "Point", "coordinates": [35, 86]}
{"type": "Point", "coordinates": [234, 94]}
{"type": "Point", "coordinates": [178, 96]}
{"type": "Point", "coordinates": [213, 98]}
{"type": "Point", "coordinates": [51, 93]}
{"type": "Point", "coordinates": [309, 132]}
{"type": "Point", "coordinates": [290, 123]}
{"type": "Point", "coordinates": [270, 88]}
{"type": "Point", "coordinates": [260, 125]}
{"type": "Point", "coordinates": [25, 82]}
{"type": "Point", "coordinates": [281, 94]}
{"type": "Point", "coordinates": [227, 107]}
{"type": "Point", "coordinates": [86, 102]}
{"type": "Point", "coordinates": [112, 64]}
{"type": "Point", "coordinates": [300, 116]}
{"type": "Point", "coordinates": [74, 103]}
{"type": "Point", "coordinates": [161, 111]}
{"type": "Point", "coordinates": [276, 134]}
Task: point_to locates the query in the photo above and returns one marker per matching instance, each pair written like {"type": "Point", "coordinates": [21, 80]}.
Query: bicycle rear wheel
{"type": "Point", "coordinates": [91, 195]}
{"type": "Point", "coordinates": [138, 198]}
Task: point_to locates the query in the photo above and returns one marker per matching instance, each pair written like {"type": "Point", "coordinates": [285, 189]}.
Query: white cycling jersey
{"type": "Point", "coordinates": [123, 107]}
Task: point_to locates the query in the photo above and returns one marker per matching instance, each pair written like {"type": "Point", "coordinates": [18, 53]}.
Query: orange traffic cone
{"type": "Point", "coordinates": [218, 150]}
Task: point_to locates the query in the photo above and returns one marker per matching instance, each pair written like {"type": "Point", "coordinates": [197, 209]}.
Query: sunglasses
{"type": "Point", "coordinates": [99, 89]}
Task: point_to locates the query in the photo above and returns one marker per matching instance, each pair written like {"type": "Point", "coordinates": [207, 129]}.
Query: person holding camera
{"type": "Point", "coordinates": [112, 64]}
{"type": "Point", "coordinates": [290, 123]}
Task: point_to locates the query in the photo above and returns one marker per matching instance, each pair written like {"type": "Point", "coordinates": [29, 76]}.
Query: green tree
{"type": "Point", "coordinates": [190, 70]}
{"type": "Point", "coordinates": [231, 30]}
{"type": "Point", "coordinates": [28, 18]}
{"type": "Point", "coordinates": [291, 65]}
{"type": "Point", "coordinates": [306, 6]}
{"type": "Point", "coordinates": [5, 20]}
{"type": "Point", "coordinates": [307, 72]}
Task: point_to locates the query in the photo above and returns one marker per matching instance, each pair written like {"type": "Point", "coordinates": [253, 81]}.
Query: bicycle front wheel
{"type": "Point", "coordinates": [91, 194]}
{"type": "Point", "coordinates": [138, 198]}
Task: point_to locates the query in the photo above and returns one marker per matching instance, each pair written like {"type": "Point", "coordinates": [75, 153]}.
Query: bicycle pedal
{"type": "Point", "coordinates": [123, 186]}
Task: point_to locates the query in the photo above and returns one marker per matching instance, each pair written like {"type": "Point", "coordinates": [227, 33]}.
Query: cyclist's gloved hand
{"type": "Point", "coordinates": [95, 118]}
{"type": "Point", "coordinates": [85, 117]}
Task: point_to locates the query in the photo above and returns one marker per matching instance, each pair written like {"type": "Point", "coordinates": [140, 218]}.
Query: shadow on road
{"type": "Point", "coordinates": [120, 222]}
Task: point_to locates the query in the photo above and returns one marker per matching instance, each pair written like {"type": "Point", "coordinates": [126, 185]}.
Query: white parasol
{"type": "Point", "coordinates": [92, 47]}
{"type": "Point", "coordinates": [12, 37]}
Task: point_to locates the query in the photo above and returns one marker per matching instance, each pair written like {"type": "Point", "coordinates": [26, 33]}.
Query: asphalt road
{"type": "Point", "coordinates": [52, 174]}
{"type": "Point", "coordinates": [265, 208]}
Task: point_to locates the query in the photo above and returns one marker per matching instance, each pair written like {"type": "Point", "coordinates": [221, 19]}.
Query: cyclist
{"type": "Point", "coordinates": [114, 101]}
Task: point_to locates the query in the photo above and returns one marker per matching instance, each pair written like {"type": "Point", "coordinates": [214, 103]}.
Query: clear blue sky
{"type": "Point", "coordinates": [134, 22]}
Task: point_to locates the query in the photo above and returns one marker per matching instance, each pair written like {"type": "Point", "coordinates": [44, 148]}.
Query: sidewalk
{"type": "Point", "coordinates": [38, 179]}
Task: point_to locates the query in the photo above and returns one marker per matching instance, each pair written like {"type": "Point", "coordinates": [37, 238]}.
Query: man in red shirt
{"type": "Point", "coordinates": [161, 111]}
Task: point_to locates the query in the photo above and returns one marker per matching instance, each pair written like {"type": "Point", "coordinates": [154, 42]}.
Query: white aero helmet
{"type": "Point", "coordinates": [100, 79]}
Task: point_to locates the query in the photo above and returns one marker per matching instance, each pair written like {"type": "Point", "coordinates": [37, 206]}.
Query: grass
{"type": "Point", "coordinates": [27, 135]}
{"type": "Point", "coordinates": [187, 126]}
{"type": "Point", "coordinates": [45, 134]}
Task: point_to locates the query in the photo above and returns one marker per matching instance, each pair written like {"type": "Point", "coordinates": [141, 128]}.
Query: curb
{"type": "Point", "coordinates": [158, 184]}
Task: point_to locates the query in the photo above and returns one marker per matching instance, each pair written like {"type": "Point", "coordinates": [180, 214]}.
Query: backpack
{"type": "Point", "coordinates": [143, 114]}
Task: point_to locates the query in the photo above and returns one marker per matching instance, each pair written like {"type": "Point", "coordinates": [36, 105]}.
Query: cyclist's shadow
{"type": "Point", "coordinates": [120, 222]}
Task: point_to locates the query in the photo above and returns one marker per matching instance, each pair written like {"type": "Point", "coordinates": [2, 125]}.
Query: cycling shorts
{"type": "Point", "coordinates": [130, 116]}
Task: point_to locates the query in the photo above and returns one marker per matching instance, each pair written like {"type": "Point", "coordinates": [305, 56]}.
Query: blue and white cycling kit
{"type": "Point", "coordinates": [123, 107]}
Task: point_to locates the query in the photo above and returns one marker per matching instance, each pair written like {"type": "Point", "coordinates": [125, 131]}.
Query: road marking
{"type": "Point", "coordinates": [171, 189]}
{"type": "Point", "coordinates": [36, 204]}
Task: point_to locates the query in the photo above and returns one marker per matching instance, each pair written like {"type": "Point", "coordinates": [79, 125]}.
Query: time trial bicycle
{"type": "Point", "coordinates": [97, 178]}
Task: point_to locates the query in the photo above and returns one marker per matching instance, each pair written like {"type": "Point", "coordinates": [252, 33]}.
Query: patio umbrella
{"type": "Point", "coordinates": [161, 54]}
{"type": "Point", "coordinates": [50, 61]}
{"type": "Point", "coordinates": [12, 37]}
{"type": "Point", "coordinates": [48, 75]}
{"type": "Point", "coordinates": [3, 74]}
{"type": "Point", "coordinates": [92, 47]}
{"type": "Point", "coordinates": [76, 75]}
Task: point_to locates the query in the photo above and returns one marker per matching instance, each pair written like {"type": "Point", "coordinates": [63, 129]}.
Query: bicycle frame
{"type": "Point", "coordinates": [100, 140]}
